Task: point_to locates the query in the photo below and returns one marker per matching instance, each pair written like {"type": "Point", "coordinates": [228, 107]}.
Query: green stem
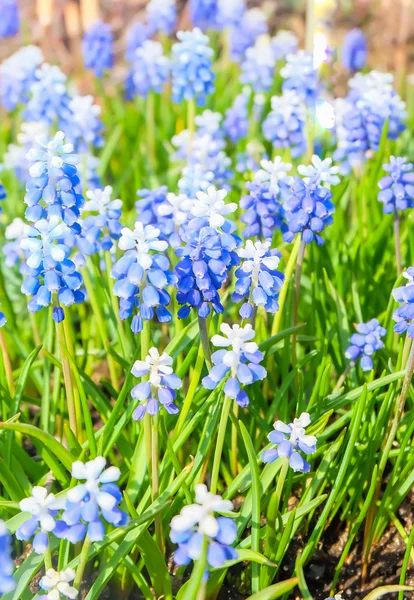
{"type": "Point", "coordinates": [48, 558]}
{"type": "Point", "coordinates": [155, 481]}
{"type": "Point", "coordinates": [60, 334]}
{"type": "Point", "coordinates": [220, 443]}
{"type": "Point", "coordinates": [83, 559]}
{"type": "Point", "coordinates": [344, 375]}
{"type": "Point", "coordinates": [274, 505]}
{"type": "Point", "coordinates": [196, 589]}
{"type": "Point", "coordinates": [191, 111]}
{"type": "Point", "coordinates": [194, 380]}
{"type": "Point", "coordinates": [283, 294]}
{"type": "Point", "coordinates": [7, 366]}
{"type": "Point", "coordinates": [298, 275]}
{"type": "Point", "coordinates": [205, 340]}
{"type": "Point", "coordinates": [150, 123]}
{"type": "Point", "coordinates": [397, 241]}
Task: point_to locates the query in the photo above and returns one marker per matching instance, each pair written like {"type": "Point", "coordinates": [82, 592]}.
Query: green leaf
{"type": "Point", "coordinates": [275, 591]}
{"type": "Point", "coordinates": [387, 589]}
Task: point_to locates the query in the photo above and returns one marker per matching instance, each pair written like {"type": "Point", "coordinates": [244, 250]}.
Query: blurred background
{"type": "Point", "coordinates": [57, 26]}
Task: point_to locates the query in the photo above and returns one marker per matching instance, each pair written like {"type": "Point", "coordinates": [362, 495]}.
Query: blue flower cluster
{"type": "Point", "coordinates": [142, 277]}
{"type": "Point", "coordinates": [17, 74]}
{"type": "Point", "coordinates": [3, 319]}
{"type": "Point", "coordinates": [56, 584]}
{"type": "Point", "coordinates": [301, 76]}
{"type": "Point", "coordinates": [307, 205]}
{"type": "Point", "coordinates": [10, 20]}
{"type": "Point", "coordinates": [48, 270]}
{"type": "Point", "coordinates": [285, 125]}
{"type": "Point", "coordinates": [246, 31]}
{"type": "Point", "coordinates": [7, 583]}
{"type": "Point", "coordinates": [203, 13]}
{"type": "Point", "coordinates": [84, 127]}
{"type": "Point", "coordinates": [236, 122]}
{"type": "Point", "coordinates": [97, 47]}
{"type": "Point", "coordinates": [258, 280]}
{"type": "Point", "coordinates": [289, 440]}
{"type": "Point", "coordinates": [192, 76]}
{"type": "Point", "coordinates": [365, 343]}
{"type": "Point", "coordinates": [137, 34]}
{"type": "Point", "coordinates": [238, 362]}
{"type": "Point", "coordinates": [404, 315]}
{"type": "Point", "coordinates": [52, 188]}
{"type": "Point", "coordinates": [284, 43]}
{"type": "Point", "coordinates": [162, 16]}
{"type": "Point", "coordinates": [159, 389]}
{"type": "Point", "coordinates": [149, 71]}
{"type": "Point", "coordinates": [354, 50]}
{"type": "Point", "coordinates": [197, 521]}
{"type": "Point", "coordinates": [397, 188]}
{"type": "Point", "coordinates": [49, 100]}
{"type": "Point", "coordinates": [100, 221]}
{"type": "Point", "coordinates": [264, 213]}
{"type": "Point", "coordinates": [258, 66]}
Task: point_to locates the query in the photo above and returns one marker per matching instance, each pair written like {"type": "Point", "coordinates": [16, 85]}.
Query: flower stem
{"type": "Point", "coordinates": [253, 317]}
{"type": "Point", "coordinates": [344, 375]}
{"type": "Point", "coordinates": [7, 366]}
{"type": "Point", "coordinates": [220, 443]}
{"type": "Point", "coordinates": [155, 481]}
{"type": "Point", "coordinates": [191, 120]}
{"type": "Point", "coordinates": [67, 376]}
{"type": "Point", "coordinates": [48, 558]}
{"type": "Point", "coordinates": [298, 275]}
{"type": "Point", "coordinates": [234, 464]}
{"type": "Point", "coordinates": [150, 123]}
{"type": "Point", "coordinates": [397, 241]}
{"type": "Point", "coordinates": [196, 587]}
{"type": "Point", "coordinates": [283, 293]}
{"type": "Point", "coordinates": [83, 559]}
{"type": "Point", "coordinates": [205, 341]}
{"type": "Point", "coordinates": [194, 380]}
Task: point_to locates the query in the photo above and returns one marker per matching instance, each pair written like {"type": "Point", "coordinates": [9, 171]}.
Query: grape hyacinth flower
{"type": "Point", "coordinates": [404, 315]}
{"type": "Point", "coordinates": [244, 34]}
{"type": "Point", "coordinates": [14, 233]}
{"type": "Point", "coordinates": [142, 277]}
{"type": "Point", "coordinates": [100, 221]}
{"type": "Point", "coordinates": [236, 122]}
{"type": "Point", "coordinates": [160, 388]}
{"type": "Point", "coordinates": [229, 14]}
{"type": "Point", "coordinates": [203, 13]}
{"type": "Point", "coordinates": [52, 189]}
{"type": "Point", "coordinates": [285, 125]}
{"type": "Point", "coordinates": [148, 202]}
{"type": "Point", "coordinates": [240, 359]}
{"type": "Point", "coordinates": [211, 210]}
{"type": "Point", "coordinates": [56, 585]}
{"type": "Point", "coordinates": [150, 69]}
{"type": "Point", "coordinates": [354, 50]}
{"type": "Point", "coordinates": [7, 582]}
{"type": "Point", "coordinates": [307, 205]}
{"type": "Point", "coordinates": [258, 280]}
{"type": "Point", "coordinates": [84, 128]}
{"type": "Point", "coordinates": [365, 343]}
{"type": "Point", "coordinates": [136, 36]}
{"type": "Point", "coordinates": [10, 20]}
{"type": "Point", "coordinates": [3, 319]}
{"type": "Point", "coordinates": [258, 66]}
{"type": "Point", "coordinates": [15, 156]}
{"type": "Point", "coordinates": [92, 503]}
{"type": "Point", "coordinates": [17, 74]}
{"type": "Point", "coordinates": [97, 47]}
{"type": "Point", "coordinates": [301, 76]}
{"type": "Point", "coordinates": [162, 16]}
{"type": "Point", "coordinates": [193, 179]}
{"type": "Point", "coordinates": [174, 214]}
{"type": "Point", "coordinates": [198, 520]}
{"type": "Point", "coordinates": [192, 76]}
{"type": "Point", "coordinates": [50, 276]}
{"type": "Point", "coordinates": [43, 508]}
{"type": "Point", "coordinates": [49, 99]}
{"type": "Point", "coordinates": [264, 214]}
{"type": "Point", "coordinates": [397, 188]}
{"type": "Point", "coordinates": [289, 440]}
{"type": "Point", "coordinates": [284, 43]}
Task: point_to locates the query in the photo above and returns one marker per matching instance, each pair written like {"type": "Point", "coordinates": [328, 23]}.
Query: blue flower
{"type": "Point", "coordinates": [203, 13]}
{"type": "Point", "coordinates": [17, 73]}
{"type": "Point", "coordinates": [198, 520]}
{"type": "Point", "coordinates": [14, 233]}
{"type": "Point", "coordinates": [285, 125]}
{"type": "Point", "coordinates": [7, 583]}
{"type": "Point", "coordinates": [136, 36]}
{"type": "Point", "coordinates": [244, 34]}
{"type": "Point", "coordinates": [84, 127]}
{"type": "Point", "coordinates": [100, 223]}
{"type": "Point", "coordinates": [403, 315]}
{"type": "Point", "coordinates": [264, 214]}
{"type": "Point", "coordinates": [147, 205]}
{"type": "Point", "coordinates": [284, 43]}
{"type": "Point", "coordinates": [48, 270]}
{"type": "Point", "coordinates": [236, 122]}
{"type": "Point", "coordinates": [97, 47]}
{"type": "Point", "coordinates": [43, 508]}
{"type": "Point", "coordinates": [205, 262]}
{"type": "Point", "coordinates": [10, 20]}
{"type": "Point", "coordinates": [229, 14]}
{"type": "Point", "coordinates": [238, 362]}
{"type": "Point", "coordinates": [52, 188]}
{"type": "Point", "coordinates": [3, 319]}
{"type": "Point", "coordinates": [365, 343]}
{"type": "Point", "coordinates": [56, 584]}
{"type": "Point", "coordinates": [194, 178]}
{"type": "Point", "coordinates": [160, 388]}
{"type": "Point", "coordinates": [289, 440]}
{"type": "Point", "coordinates": [192, 77]}
{"type": "Point", "coordinates": [258, 280]}
{"type": "Point", "coordinates": [150, 69]}
{"type": "Point", "coordinates": [49, 99]}
{"type": "Point", "coordinates": [354, 50]}
{"type": "Point", "coordinates": [397, 188]}
{"type": "Point", "coordinates": [258, 66]}
{"type": "Point", "coordinates": [162, 16]}
{"type": "Point", "coordinates": [301, 76]}
{"type": "Point", "coordinates": [308, 207]}
{"type": "Point", "coordinates": [142, 277]}
{"type": "Point", "coordinates": [92, 503]}
{"type": "Point", "coordinates": [15, 156]}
